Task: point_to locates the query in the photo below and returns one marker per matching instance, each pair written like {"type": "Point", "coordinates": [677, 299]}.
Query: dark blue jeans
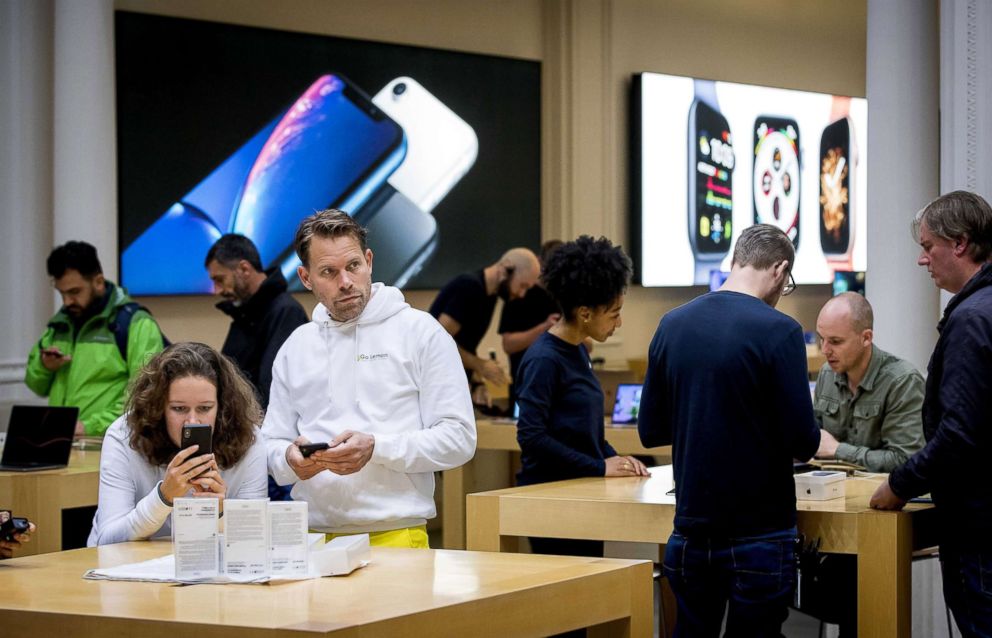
{"type": "Point", "coordinates": [756, 576]}
{"type": "Point", "coordinates": [967, 580]}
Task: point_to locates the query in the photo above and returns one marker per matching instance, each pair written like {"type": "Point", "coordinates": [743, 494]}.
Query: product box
{"type": "Point", "coordinates": [820, 485]}
{"type": "Point", "coordinates": [342, 555]}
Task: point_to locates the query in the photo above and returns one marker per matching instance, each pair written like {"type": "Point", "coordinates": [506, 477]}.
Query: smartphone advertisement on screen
{"type": "Point", "coordinates": [712, 158]}
{"type": "Point", "coordinates": [246, 130]}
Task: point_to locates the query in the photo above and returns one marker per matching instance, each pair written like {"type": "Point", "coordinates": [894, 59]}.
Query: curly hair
{"type": "Point", "coordinates": [238, 411]}
{"type": "Point", "coordinates": [586, 272]}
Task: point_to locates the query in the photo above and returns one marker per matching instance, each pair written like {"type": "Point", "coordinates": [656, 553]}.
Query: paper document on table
{"type": "Point", "coordinates": [162, 570]}
{"type": "Point", "coordinates": [340, 557]}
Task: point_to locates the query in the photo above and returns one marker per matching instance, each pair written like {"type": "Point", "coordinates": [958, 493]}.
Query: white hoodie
{"type": "Point", "coordinates": [393, 372]}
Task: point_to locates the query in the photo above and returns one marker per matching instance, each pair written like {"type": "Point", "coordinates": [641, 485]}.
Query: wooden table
{"type": "Point", "coordinates": [41, 497]}
{"type": "Point", "coordinates": [490, 469]}
{"type": "Point", "coordinates": [402, 592]}
{"type": "Point", "coordinates": [639, 510]}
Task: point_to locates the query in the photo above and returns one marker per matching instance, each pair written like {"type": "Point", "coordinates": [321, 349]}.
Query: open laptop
{"type": "Point", "coordinates": [39, 437]}
{"type": "Point", "coordinates": [627, 403]}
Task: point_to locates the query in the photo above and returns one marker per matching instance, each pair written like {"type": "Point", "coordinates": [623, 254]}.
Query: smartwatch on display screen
{"type": "Point", "coordinates": [776, 174]}
{"type": "Point", "coordinates": [838, 159]}
{"type": "Point", "coordinates": [710, 189]}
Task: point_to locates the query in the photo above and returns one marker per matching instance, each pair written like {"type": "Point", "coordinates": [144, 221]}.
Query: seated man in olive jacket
{"type": "Point", "coordinates": [868, 402]}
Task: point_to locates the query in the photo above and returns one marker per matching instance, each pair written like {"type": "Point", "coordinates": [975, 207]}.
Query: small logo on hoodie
{"type": "Point", "coordinates": [372, 357]}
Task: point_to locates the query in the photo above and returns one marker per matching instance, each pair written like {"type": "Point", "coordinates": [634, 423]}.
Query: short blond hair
{"type": "Point", "coordinates": [327, 223]}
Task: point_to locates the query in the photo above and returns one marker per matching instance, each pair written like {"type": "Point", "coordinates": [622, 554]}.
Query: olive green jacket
{"type": "Point", "coordinates": [882, 426]}
{"type": "Point", "coordinates": [96, 378]}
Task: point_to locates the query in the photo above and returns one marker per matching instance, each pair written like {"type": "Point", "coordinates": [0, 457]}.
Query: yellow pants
{"type": "Point", "coordinates": [413, 537]}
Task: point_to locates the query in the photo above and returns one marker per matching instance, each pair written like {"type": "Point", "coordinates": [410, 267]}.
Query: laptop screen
{"type": "Point", "coordinates": [627, 403]}
{"type": "Point", "coordinates": [39, 435]}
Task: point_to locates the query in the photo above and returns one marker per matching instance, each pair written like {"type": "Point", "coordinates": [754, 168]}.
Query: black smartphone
{"type": "Point", "coordinates": [198, 434]}
{"type": "Point", "coordinates": [309, 448]}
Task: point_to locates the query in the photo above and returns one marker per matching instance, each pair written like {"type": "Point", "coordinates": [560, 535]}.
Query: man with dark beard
{"type": "Point", "coordinates": [465, 306]}
{"type": "Point", "coordinates": [89, 351]}
{"type": "Point", "coordinates": [263, 314]}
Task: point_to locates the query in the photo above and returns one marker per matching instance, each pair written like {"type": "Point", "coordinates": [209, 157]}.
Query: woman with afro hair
{"type": "Point", "coordinates": [560, 429]}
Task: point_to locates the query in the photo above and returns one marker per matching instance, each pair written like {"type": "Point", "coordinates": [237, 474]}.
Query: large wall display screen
{"type": "Point", "coordinates": [225, 129]}
{"type": "Point", "coordinates": [712, 158]}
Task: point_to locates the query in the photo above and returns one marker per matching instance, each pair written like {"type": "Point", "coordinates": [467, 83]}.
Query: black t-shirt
{"type": "Point", "coordinates": [464, 299]}
{"type": "Point", "coordinates": [520, 315]}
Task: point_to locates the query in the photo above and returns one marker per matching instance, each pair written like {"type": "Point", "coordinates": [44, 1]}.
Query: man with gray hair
{"type": "Point", "coordinates": [955, 236]}
{"type": "Point", "coordinates": [367, 400]}
{"type": "Point", "coordinates": [726, 385]}
{"type": "Point", "coordinates": [867, 401]}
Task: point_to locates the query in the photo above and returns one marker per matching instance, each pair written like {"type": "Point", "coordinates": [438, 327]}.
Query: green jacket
{"type": "Point", "coordinates": [96, 378]}
{"type": "Point", "coordinates": [882, 426]}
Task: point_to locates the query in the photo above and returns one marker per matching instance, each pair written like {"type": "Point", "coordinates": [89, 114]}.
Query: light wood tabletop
{"type": "Point", "coordinates": [41, 496]}
{"type": "Point", "coordinates": [640, 510]}
{"type": "Point", "coordinates": [491, 468]}
{"type": "Point", "coordinates": [402, 592]}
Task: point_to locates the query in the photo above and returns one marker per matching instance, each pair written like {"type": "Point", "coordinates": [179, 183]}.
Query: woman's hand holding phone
{"type": "Point", "coordinates": [210, 483]}
{"type": "Point", "coordinates": [184, 472]}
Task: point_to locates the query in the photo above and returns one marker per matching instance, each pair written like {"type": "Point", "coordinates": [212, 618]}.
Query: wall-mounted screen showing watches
{"type": "Point", "coordinates": [713, 158]}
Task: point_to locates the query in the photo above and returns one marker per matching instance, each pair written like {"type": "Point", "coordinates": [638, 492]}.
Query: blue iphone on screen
{"type": "Point", "coordinates": [331, 148]}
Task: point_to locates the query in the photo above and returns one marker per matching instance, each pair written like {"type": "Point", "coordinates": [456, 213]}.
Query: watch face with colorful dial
{"type": "Point", "coordinates": [835, 188]}
{"type": "Point", "coordinates": [711, 165]}
{"type": "Point", "coordinates": [776, 174]}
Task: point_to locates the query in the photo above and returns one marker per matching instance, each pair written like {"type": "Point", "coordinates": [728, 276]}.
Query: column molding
{"type": "Point", "coordinates": [903, 147]}
{"type": "Point", "coordinates": [966, 96]}
{"type": "Point", "coordinates": [85, 139]}
{"type": "Point", "coordinates": [580, 139]}
{"type": "Point", "coordinates": [26, 84]}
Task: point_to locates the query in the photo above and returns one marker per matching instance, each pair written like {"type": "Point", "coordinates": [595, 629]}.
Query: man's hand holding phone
{"type": "Point", "coordinates": [347, 453]}
{"type": "Point", "coordinates": [300, 457]}
{"type": "Point", "coordinates": [53, 358]}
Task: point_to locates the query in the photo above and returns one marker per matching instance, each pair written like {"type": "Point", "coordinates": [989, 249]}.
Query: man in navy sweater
{"type": "Point", "coordinates": [955, 234]}
{"type": "Point", "coordinates": [726, 385]}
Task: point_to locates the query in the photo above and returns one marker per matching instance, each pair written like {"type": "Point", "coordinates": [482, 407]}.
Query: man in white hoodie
{"type": "Point", "coordinates": [378, 381]}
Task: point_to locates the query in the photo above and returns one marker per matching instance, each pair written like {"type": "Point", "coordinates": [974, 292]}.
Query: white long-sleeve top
{"type": "Point", "coordinates": [392, 372]}
{"type": "Point", "coordinates": [129, 507]}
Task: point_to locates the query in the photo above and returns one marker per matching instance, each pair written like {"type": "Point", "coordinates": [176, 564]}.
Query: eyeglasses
{"type": "Point", "coordinates": [790, 287]}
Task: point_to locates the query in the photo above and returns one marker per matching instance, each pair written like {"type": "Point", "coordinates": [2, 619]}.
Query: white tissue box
{"type": "Point", "coordinates": [820, 485]}
{"type": "Point", "coordinates": [341, 556]}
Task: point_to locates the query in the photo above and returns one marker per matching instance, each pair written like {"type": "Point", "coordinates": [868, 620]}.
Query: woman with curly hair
{"type": "Point", "coordinates": [560, 429]}
{"type": "Point", "coordinates": [143, 470]}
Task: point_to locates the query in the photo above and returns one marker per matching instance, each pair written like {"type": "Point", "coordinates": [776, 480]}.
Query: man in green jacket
{"type": "Point", "coordinates": [79, 360]}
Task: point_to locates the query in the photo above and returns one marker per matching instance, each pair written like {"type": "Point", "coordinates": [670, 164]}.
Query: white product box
{"type": "Point", "coordinates": [341, 556]}
{"type": "Point", "coordinates": [820, 485]}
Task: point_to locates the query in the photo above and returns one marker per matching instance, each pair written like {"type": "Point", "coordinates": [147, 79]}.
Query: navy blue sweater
{"type": "Point", "coordinates": [957, 421]}
{"type": "Point", "coordinates": [727, 386]}
{"type": "Point", "coordinates": [560, 430]}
